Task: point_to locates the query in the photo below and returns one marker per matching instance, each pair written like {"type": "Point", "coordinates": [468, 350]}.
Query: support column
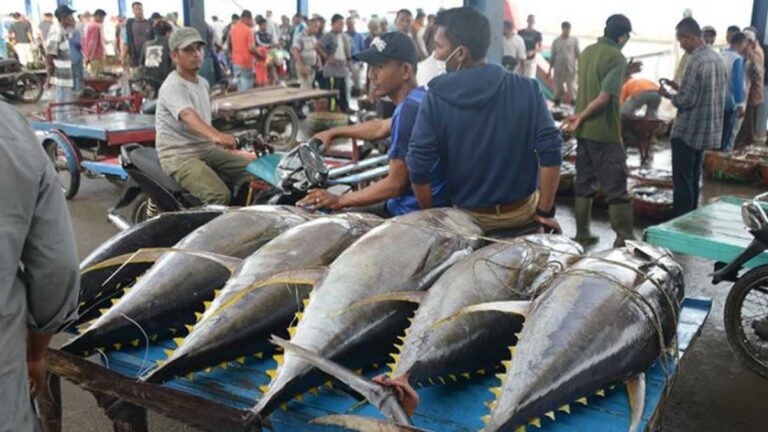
{"type": "Point", "coordinates": [121, 8]}
{"type": "Point", "coordinates": [28, 8]}
{"type": "Point", "coordinates": [760, 22]}
{"type": "Point", "coordinates": [494, 10]}
{"type": "Point", "coordinates": [194, 14]}
{"type": "Point", "coordinates": [64, 2]}
{"type": "Point", "coordinates": [302, 7]}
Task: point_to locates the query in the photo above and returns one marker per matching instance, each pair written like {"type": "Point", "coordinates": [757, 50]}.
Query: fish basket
{"type": "Point", "coordinates": [323, 120]}
{"type": "Point", "coordinates": [652, 202]}
{"type": "Point", "coordinates": [651, 177]}
{"type": "Point", "coordinates": [567, 179]}
{"type": "Point", "coordinates": [736, 167]}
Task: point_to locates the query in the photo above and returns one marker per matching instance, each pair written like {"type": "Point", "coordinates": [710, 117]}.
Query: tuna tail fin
{"type": "Point", "coordinates": [379, 396]}
{"type": "Point", "coordinates": [363, 424]}
{"type": "Point", "coordinates": [511, 307]}
{"type": "Point", "coordinates": [636, 392]}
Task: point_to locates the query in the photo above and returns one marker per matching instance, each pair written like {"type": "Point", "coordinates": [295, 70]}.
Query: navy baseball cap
{"type": "Point", "coordinates": [389, 46]}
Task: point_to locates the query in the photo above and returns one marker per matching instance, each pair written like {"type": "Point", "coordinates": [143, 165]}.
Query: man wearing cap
{"type": "Point", "coordinates": [392, 61]}
{"type": "Point", "coordinates": [57, 59]}
{"type": "Point", "coordinates": [600, 158]}
{"type": "Point", "coordinates": [700, 103]}
{"type": "Point", "coordinates": [93, 43]}
{"type": "Point", "coordinates": [709, 34]}
{"type": "Point", "coordinates": [491, 130]}
{"type": "Point", "coordinates": [190, 149]}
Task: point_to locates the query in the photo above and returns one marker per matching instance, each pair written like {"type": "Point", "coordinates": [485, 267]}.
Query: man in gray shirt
{"type": "Point", "coordinates": [565, 54]}
{"type": "Point", "coordinates": [39, 275]}
{"type": "Point", "coordinates": [189, 147]}
{"type": "Point", "coordinates": [334, 50]}
{"type": "Point", "coordinates": [304, 54]}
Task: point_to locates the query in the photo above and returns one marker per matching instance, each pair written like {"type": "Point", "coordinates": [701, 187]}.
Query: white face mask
{"type": "Point", "coordinates": [441, 64]}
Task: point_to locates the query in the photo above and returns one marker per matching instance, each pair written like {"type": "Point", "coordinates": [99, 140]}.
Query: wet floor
{"type": "Point", "coordinates": [712, 392]}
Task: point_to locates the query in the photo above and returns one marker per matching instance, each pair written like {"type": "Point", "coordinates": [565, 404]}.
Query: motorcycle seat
{"type": "Point", "coordinates": [146, 159]}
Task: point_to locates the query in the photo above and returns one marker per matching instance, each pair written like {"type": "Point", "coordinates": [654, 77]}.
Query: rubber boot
{"type": "Point", "coordinates": [582, 209]}
{"type": "Point", "coordinates": [622, 222]}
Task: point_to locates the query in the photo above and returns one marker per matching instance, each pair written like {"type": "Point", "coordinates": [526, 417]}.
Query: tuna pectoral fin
{"type": "Point", "coordinates": [379, 396]}
{"type": "Point", "coordinates": [363, 424]}
{"type": "Point", "coordinates": [430, 278]}
{"type": "Point", "coordinates": [153, 254]}
{"type": "Point", "coordinates": [636, 392]}
{"type": "Point", "coordinates": [510, 307]}
{"type": "Point", "coordinates": [403, 296]}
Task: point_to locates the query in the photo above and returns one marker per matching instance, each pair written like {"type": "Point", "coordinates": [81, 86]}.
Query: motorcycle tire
{"type": "Point", "coordinates": [28, 88]}
{"type": "Point", "coordinates": [756, 278]}
{"type": "Point", "coordinates": [66, 170]}
{"type": "Point", "coordinates": [139, 209]}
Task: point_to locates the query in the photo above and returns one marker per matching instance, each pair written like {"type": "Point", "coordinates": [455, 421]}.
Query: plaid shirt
{"type": "Point", "coordinates": [700, 102]}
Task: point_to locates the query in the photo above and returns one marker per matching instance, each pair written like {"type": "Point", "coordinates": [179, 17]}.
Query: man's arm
{"type": "Point", "coordinates": [422, 154]}
{"type": "Point", "coordinates": [193, 120]}
{"type": "Point", "coordinates": [552, 59]}
{"type": "Point", "coordinates": [368, 131]}
{"type": "Point", "coordinates": [610, 87]}
{"type": "Point", "coordinates": [687, 96]}
{"type": "Point", "coordinates": [548, 143]}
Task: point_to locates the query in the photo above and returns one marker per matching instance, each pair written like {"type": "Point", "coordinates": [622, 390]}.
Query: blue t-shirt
{"type": "Point", "coordinates": [403, 120]}
{"type": "Point", "coordinates": [76, 46]}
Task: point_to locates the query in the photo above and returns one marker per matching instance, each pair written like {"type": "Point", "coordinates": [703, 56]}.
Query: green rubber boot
{"type": "Point", "coordinates": [622, 222]}
{"type": "Point", "coordinates": [582, 209]}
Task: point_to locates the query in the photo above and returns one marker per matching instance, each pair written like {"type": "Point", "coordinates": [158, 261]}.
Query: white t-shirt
{"type": "Point", "coordinates": [340, 54]}
{"type": "Point", "coordinates": [514, 47]}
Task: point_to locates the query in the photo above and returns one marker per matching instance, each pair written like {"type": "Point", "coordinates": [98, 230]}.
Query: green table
{"type": "Point", "coordinates": [714, 232]}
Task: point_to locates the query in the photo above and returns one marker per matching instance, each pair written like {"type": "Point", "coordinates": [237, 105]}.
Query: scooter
{"type": "Point", "coordinates": [746, 307]}
{"type": "Point", "coordinates": [278, 179]}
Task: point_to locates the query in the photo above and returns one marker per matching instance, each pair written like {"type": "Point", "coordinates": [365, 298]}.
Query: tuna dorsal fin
{"type": "Point", "coordinates": [403, 296]}
{"type": "Point", "coordinates": [363, 424]}
{"type": "Point", "coordinates": [379, 396]}
{"type": "Point", "coordinates": [510, 307]}
{"type": "Point", "coordinates": [636, 392]}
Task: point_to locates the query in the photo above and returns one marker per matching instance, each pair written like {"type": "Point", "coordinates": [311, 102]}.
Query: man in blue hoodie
{"type": "Point", "coordinates": [392, 61]}
{"type": "Point", "coordinates": [490, 129]}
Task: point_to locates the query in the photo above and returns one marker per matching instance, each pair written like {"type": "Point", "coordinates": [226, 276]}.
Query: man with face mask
{"type": "Point", "coordinates": [601, 159]}
{"type": "Point", "coordinates": [491, 130]}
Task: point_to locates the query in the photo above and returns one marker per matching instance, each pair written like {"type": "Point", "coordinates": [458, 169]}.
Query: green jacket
{"type": "Point", "coordinates": [601, 69]}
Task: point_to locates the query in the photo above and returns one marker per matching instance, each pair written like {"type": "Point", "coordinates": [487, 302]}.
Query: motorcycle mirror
{"type": "Point", "coordinates": [316, 145]}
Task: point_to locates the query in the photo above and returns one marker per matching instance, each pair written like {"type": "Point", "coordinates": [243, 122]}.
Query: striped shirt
{"type": "Point", "coordinates": [700, 102]}
{"type": "Point", "coordinates": [57, 45]}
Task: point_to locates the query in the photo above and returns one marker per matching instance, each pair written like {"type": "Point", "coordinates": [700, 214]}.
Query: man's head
{"type": "Point", "coordinates": [618, 29]}
{"type": "Point", "coordinates": [311, 26]}
{"type": "Point", "coordinates": [462, 38]}
{"type": "Point", "coordinates": [99, 15]}
{"type": "Point", "coordinates": [709, 34]}
{"type": "Point", "coordinates": [16, 16]}
{"type": "Point", "coordinates": [751, 35]}
{"type": "Point", "coordinates": [155, 17]}
{"type": "Point", "coordinates": [392, 61]}
{"type": "Point", "coordinates": [384, 25]}
{"type": "Point", "coordinates": [689, 34]}
{"type": "Point", "coordinates": [374, 27]}
{"type": "Point", "coordinates": [284, 20]}
{"type": "Point", "coordinates": [420, 16]}
{"type": "Point", "coordinates": [214, 18]}
{"type": "Point", "coordinates": [431, 19]}
{"type": "Point", "coordinates": [85, 17]}
{"type": "Point", "coordinates": [65, 16]}
{"type": "Point", "coordinates": [261, 22]}
{"type": "Point", "coordinates": [269, 14]}
{"type": "Point", "coordinates": [566, 28]}
{"type": "Point", "coordinates": [531, 21]}
{"type": "Point", "coordinates": [732, 30]}
{"type": "Point", "coordinates": [246, 17]}
{"type": "Point", "coordinates": [509, 29]}
{"type": "Point", "coordinates": [186, 48]}
{"type": "Point", "coordinates": [48, 16]}
{"type": "Point", "coordinates": [403, 20]}
{"type": "Point", "coordinates": [351, 25]}
{"type": "Point", "coordinates": [138, 10]}
{"type": "Point", "coordinates": [739, 43]}
{"type": "Point", "coordinates": [297, 19]}
{"type": "Point", "coordinates": [161, 28]}
{"type": "Point", "coordinates": [235, 18]}
{"type": "Point", "coordinates": [337, 23]}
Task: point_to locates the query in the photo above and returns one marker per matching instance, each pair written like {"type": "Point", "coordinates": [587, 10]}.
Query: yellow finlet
{"type": "Point", "coordinates": [375, 365]}
{"type": "Point", "coordinates": [224, 365]}
{"type": "Point", "coordinates": [491, 405]}
{"type": "Point", "coordinates": [292, 331]}
{"type": "Point", "coordinates": [517, 335]}
{"type": "Point", "coordinates": [313, 391]}
{"type": "Point", "coordinates": [512, 350]}
{"type": "Point", "coordinates": [103, 310]}
{"type": "Point", "coordinates": [485, 419]}
{"type": "Point", "coordinates": [328, 384]}
{"type": "Point", "coordinates": [153, 338]}
{"type": "Point", "coordinates": [168, 353]}
{"type": "Point", "coordinates": [399, 348]}
{"type": "Point", "coordinates": [442, 380]}
{"type": "Point", "coordinates": [178, 341]}
{"type": "Point", "coordinates": [190, 375]}
{"type": "Point", "coordinates": [466, 375]}
{"type": "Point", "coordinates": [135, 342]}
{"type": "Point", "coordinates": [240, 360]}
{"type": "Point", "coordinates": [582, 401]}
{"type": "Point", "coordinates": [278, 358]}
{"type": "Point", "coordinates": [259, 355]}
{"type": "Point", "coordinates": [299, 315]}
{"type": "Point", "coordinates": [207, 304]}
{"type": "Point", "coordinates": [430, 381]}
{"type": "Point", "coordinates": [520, 429]}
{"type": "Point", "coordinates": [114, 301]}
{"type": "Point", "coordinates": [189, 328]}
{"type": "Point", "coordinates": [299, 397]}
{"type": "Point", "coordinates": [306, 302]}
{"type": "Point", "coordinates": [481, 371]}
{"type": "Point", "coordinates": [359, 371]}
{"type": "Point", "coordinates": [395, 357]}
{"type": "Point", "coordinates": [198, 315]}
{"type": "Point", "coordinates": [565, 408]}
{"type": "Point", "coordinates": [401, 338]}
{"type": "Point", "coordinates": [506, 364]}
{"type": "Point", "coordinates": [264, 388]}
{"type": "Point", "coordinates": [496, 391]}
{"type": "Point", "coordinates": [208, 370]}
{"type": "Point", "coordinates": [551, 415]}
{"type": "Point", "coordinates": [453, 377]}
{"type": "Point", "coordinates": [284, 406]}
{"type": "Point", "coordinates": [600, 393]}
{"type": "Point", "coordinates": [535, 422]}
{"type": "Point", "coordinates": [500, 377]}
{"type": "Point", "coordinates": [160, 363]}
{"type": "Point", "coordinates": [117, 345]}
{"type": "Point", "coordinates": [216, 293]}
{"type": "Point", "coordinates": [173, 331]}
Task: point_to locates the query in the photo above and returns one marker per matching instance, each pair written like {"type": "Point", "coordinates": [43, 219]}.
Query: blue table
{"type": "Point", "coordinates": [455, 406]}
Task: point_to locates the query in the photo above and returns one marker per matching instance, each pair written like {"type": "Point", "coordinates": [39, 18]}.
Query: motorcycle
{"type": "Point", "coordinates": [746, 307]}
{"type": "Point", "coordinates": [277, 179]}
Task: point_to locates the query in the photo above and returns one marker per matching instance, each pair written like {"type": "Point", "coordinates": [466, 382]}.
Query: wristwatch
{"type": "Point", "coordinates": [546, 214]}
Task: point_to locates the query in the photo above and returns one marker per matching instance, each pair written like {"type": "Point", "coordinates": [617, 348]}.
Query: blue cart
{"type": "Point", "coordinates": [218, 400]}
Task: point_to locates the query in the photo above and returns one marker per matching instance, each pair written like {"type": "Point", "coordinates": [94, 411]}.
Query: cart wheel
{"type": "Point", "coordinates": [746, 319]}
{"type": "Point", "coordinates": [66, 167]}
{"type": "Point", "coordinates": [281, 127]}
{"type": "Point", "coordinates": [28, 88]}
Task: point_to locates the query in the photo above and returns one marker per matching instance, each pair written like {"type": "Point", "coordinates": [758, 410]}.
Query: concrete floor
{"type": "Point", "coordinates": [713, 392]}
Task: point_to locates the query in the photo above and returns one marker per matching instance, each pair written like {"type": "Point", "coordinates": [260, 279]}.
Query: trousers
{"type": "Point", "coordinates": [207, 178]}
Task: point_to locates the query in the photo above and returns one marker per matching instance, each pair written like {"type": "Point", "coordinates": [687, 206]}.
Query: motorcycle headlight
{"type": "Point", "coordinates": [287, 170]}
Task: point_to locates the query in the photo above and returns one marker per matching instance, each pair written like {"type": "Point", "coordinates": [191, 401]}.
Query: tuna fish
{"type": "Point", "coordinates": [436, 350]}
{"type": "Point", "coordinates": [99, 281]}
{"type": "Point", "coordinates": [404, 254]}
{"type": "Point", "coordinates": [253, 305]}
{"type": "Point", "coordinates": [603, 321]}
{"type": "Point", "coordinates": [172, 292]}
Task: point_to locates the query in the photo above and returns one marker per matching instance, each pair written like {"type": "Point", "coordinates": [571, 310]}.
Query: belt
{"type": "Point", "coordinates": [500, 209]}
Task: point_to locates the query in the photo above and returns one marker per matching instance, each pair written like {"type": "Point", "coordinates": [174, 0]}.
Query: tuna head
{"type": "Point", "coordinates": [603, 321]}
{"type": "Point", "coordinates": [406, 253]}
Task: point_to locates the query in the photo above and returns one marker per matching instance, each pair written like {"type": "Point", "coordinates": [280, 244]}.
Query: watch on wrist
{"type": "Point", "coordinates": [546, 214]}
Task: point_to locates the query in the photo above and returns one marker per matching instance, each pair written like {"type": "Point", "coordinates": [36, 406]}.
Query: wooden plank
{"type": "Point", "coordinates": [714, 232]}
{"type": "Point", "coordinates": [263, 98]}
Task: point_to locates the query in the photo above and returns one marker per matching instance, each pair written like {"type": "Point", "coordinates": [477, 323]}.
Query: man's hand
{"type": "Point", "coordinates": [407, 396]}
{"type": "Point", "coordinates": [332, 60]}
{"type": "Point", "coordinates": [38, 372]}
{"type": "Point", "coordinates": [227, 141]}
{"type": "Point", "coordinates": [303, 71]}
{"type": "Point", "coordinates": [549, 224]}
{"type": "Point", "coordinates": [325, 136]}
{"type": "Point", "coordinates": [740, 112]}
{"type": "Point", "coordinates": [571, 124]}
{"type": "Point", "coordinates": [320, 199]}
{"type": "Point", "coordinates": [634, 67]}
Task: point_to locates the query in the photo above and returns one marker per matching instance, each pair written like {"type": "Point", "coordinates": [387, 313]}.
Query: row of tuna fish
{"type": "Point", "coordinates": [346, 289]}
